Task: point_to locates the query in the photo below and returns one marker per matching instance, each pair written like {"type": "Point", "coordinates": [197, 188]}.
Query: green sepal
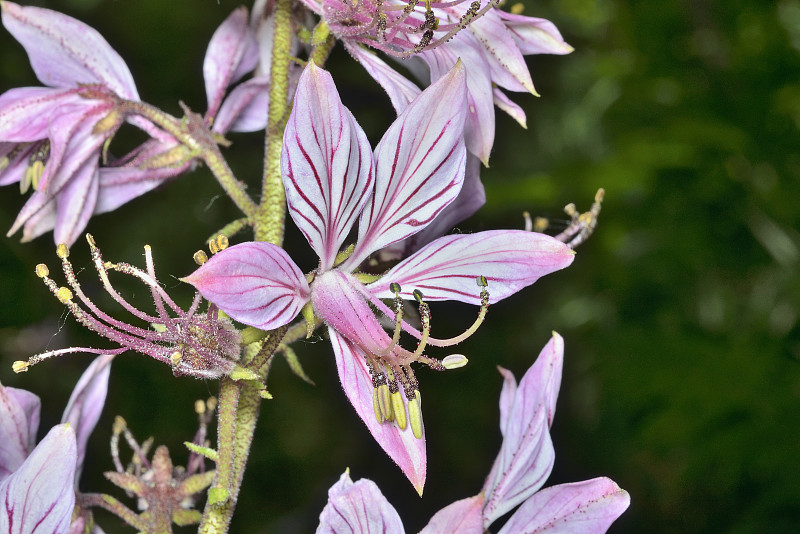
{"type": "Point", "coordinates": [243, 373]}
{"type": "Point", "coordinates": [252, 334]}
{"type": "Point", "coordinates": [294, 364]}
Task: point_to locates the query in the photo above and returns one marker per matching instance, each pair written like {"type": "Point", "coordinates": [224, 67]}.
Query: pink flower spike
{"type": "Point", "coordinates": [255, 283]}
{"type": "Point", "coordinates": [19, 421]}
{"type": "Point", "coordinates": [358, 508]}
{"type": "Point", "coordinates": [447, 268]}
{"type": "Point", "coordinates": [65, 52]}
{"type": "Point", "coordinates": [587, 507]}
{"type": "Point", "coordinates": [461, 517]}
{"type": "Point", "coordinates": [86, 403]}
{"type": "Point", "coordinates": [526, 456]}
{"type": "Point", "coordinates": [39, 496]}
{"type": "Point", "coordinates": [326, 163]}
{"type": "Point", "coordinates": [232, 53]}
{"type": "Point", "coordinates": [419, 166]}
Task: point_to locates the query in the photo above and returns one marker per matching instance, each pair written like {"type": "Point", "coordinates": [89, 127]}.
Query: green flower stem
{"type": "Point", "coordinates": [201, 143]}
{"type": "Point", "coordinates": [269, 222]}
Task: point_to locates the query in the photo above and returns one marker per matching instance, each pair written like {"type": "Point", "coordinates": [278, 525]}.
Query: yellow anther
{"type": "Point", "coordinates": [211, 403]}
{"type": "Point", "coordinates": [42, 271]}
{"type": "Point", "coordinates": [212, 246]}
{"type": "Point", "coordinates": [376, 406]}
{"type": "Point", "coordinates": [62, 251]}
{"type": "Point", "coordinates": [600, 195]}
{"type": "Point", "coordinates": [200, 257]}
{"type": "Point", "coordinates": [481, 281]}
{"type": "Point", "coordinates": [418, 295]}
{"type": "Point", "coordinates": [517, 8]}
{"type": "Point", "coordinates": [385, 402]}
{"type": "Point", "coordinates": [90, 240]}
{"type": "Point", "coordinates": [399, 410]}
{"type": "Point", "coordinates": [64, 294]}
{"type": "Point", "coordinates": [222, 242]}
{"type": "Point", "coordinates": [571, 210]}
{"type": "Point", "coordinates": [540, 224]}
{"type": "Point", "coordinates": [415, 415]}
{"type": "Point", "coordinates": [175, 358]}
{"type": "Point", "coordinates": [119, 425]}
{"type": "Point", "coordinates": [454, 361]}
{"type": "Point", "coordinates": [199, 407]}
{"type": "Point", "coordinates": [4, 161]}
{"type": "Point", "coordinates": [20, 366]}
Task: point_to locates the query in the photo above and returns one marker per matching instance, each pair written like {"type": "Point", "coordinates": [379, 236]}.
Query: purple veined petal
{"type": "Point", "coordinates": [448, 268]}
{"type": "Point", "coordinates": [461, 517]}
{"type": "Point", "coordinates": [407, 451]}
{"type": "Point", "coordinates": [65, 52]}
{"type": "Point", "coordinates": [534, 35]}
{"type": "Point", "coordinates": [39, 497]}
{"type": "Point", "coordinates": [587, 507]}
{"type": "Point", "coordinates": [358, 508]}
{"type": "Point", "coordinates": [400, 89]}
{"type": "Point", "coordinates": [419, 167]}
{"type": "Point", "coordinates": [255, 283]}
{"type": "Point", "coordinates": [232, 53]}
{"type": "Point", "coordinates": [41, 221]}
{"type": "Point", "coordinates": [510, 107]}
{"type": "Point", "coordinates": [245, 108]}
{"type": "Point", "coordinates": [85, 405]}
{"type": "Point", "coordinates": [479, 125]}
{"type": "Point", "coordinates": [27, 111]}
{"type": "Point", "coordinates": [506, 64]}
{"type": "Point", "coordinates": [75, 204]}
{"type": "Point", "coordinates": [326, 165]}
{"type": "Point", "coordinates": [526, 455]}
{"type": "Point", "coordinates": [19, 421]}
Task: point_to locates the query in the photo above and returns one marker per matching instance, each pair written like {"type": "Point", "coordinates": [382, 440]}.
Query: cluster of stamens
{"type": "Point", "coordinates": [410, 31]}
{"type": "Point", "coordinates": [204, 345]}
{"type": "Point", "coordinates": [581, 225]}
{"type": "Point", "coordinates": [390, 368]}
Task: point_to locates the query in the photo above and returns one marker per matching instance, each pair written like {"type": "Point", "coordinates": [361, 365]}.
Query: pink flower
{"type": "Point", "coordinates": [489, 41]}
{"type": "Point", "coordinates": [51, 138]}
{"type": "Point", "coordinates": [524, 463]}
{"type": "Point", "coordinates": [38, 484]}
{"type": "Point", "coordinates": [332, 178]}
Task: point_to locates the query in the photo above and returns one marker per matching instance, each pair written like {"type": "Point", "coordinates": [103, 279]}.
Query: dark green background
{"type": "Point", "coordinates": [680, 315]}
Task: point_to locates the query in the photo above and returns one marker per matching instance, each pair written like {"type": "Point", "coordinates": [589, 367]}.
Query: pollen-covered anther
{"type": "Point", "coordinates": [222, 242]}
{"type": "Point", "coordinates": [42, 271]}
{"type": "Point", "coordinates": [176, 358]}
{"type": "Point", "coordinates": [385, 402]}
{"type": "Point", "coordinates": [415, 414]}
{"type": "Point", "coordinates": [20, 366]}
{"type": "Point", "coordinates": [399, 410]}
{"type": "Point", "coordinates": [199, 406]}
{"type": "Point", "coordinates": [64, 294]}
{"type": "Point", "coordinates": [200, 257]}
{"type": "Point", "coordinates": [62, 251]}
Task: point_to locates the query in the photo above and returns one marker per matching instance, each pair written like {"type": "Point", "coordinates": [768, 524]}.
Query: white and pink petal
{"type": "Point", "coordinates": [460, 517]}
{"type": "Point", "coordinates": [19, 421]}
{"type": "Point", "coordinates": [448, 268]}
{"type": "Point", "coordinates": [256, 283]}
{"type": "Point", "coordinates": [326, 163]}
{"type": "Point", "coordinates": [65, 52]}
{"type": "Point", "coordinates": [534, 35]}
{"type": "Point", "coordinates": [400, 89]}
{"type": "Point", "coordinates": [358, 508]}
{"type": "Point", "coordinates": [588, 507]}
{"type": "Point", "coordinates": [419, 166]}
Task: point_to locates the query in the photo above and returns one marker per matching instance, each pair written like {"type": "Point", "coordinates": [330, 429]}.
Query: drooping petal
{"type": "Point", "coordinates": [534, 35]}
{"type": "Point", "coordinates": [507, 396]}
{"type": "Point", "coordinates": [419, 167]}
{"type": "Point", "coordinates": [40, 222]}
{"type": "Point", "coordinates": [479, 126]}
{"type": "Point", "coordinates": [407, 451]}
{"type": "Point", "coordinates": [245, 108]}
{"type": "Point", "coordinates": [255, 283]}
{"type": "Point", "coordinates": [358, 508]}
{"type": "Point", "coordinates": [75, 203]}
{"type": "Point", "coordinates": [587, 507]}
{"type": "Point", "coordinates": [19, 421]}
{"type": "Point", "coordinates": [509, 106]}
{"type": "Point", "coordinates": [448, 268]}
{"type": "Point", "coordinates": [86, 403]}
{"type": "Point", "coordinates": [232, 53]}
{"type": "Point", "coordinates": [526, 455]}
{"type": "Point", "coordinates": [65, 52]}
{"type": "Point", "coordinates": [326, 164]}
{"type": "Point", "coordinates": [461, 517]}
{"type": "Point", "coordinates": [28, 111]}
{"type": "Point", "coordinates": [506, 64]}
{"type": "Point", "coordinates": [400, 89]}
{"type": "Point", "coordinates": [39, 497]}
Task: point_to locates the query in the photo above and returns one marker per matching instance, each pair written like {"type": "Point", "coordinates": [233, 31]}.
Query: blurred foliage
{"type": "Point", "coordinates": [680, 315]}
